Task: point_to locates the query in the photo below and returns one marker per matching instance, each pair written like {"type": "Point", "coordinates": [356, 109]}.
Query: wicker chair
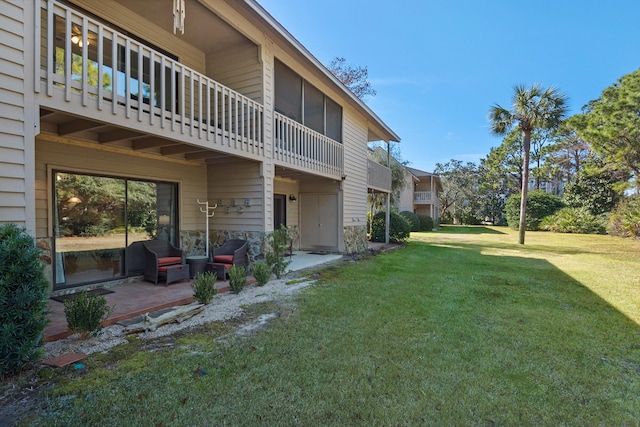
{"type": "Point", "coordinates": [232, 252]}
{"type": "Point", "coordinates": [163, 261]}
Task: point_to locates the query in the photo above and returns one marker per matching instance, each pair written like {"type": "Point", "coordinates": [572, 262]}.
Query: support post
{"type": "Point", "coordinates": [387, 213]}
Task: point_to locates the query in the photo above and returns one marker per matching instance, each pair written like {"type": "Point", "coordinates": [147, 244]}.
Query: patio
{"type": "Point", "coordinates": [136, 298]}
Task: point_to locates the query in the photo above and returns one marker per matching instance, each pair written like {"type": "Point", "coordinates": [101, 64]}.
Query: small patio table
{"type": "Point", "coordinates": [197, 264]}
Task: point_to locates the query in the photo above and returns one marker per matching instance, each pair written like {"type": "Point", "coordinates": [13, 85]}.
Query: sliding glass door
{"type": "Point", "coordinates": [97, 217]}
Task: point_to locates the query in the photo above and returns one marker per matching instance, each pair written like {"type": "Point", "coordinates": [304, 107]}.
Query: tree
{"type": "Point", "coordinates": [568, 151]}
{"type": "Point", "coordinates": [355, 78]}
{"type": "Point", "coordinates": [504, 163]}
{"type": "Point", "coordinates": [539, 138]}
{"type": "Point", "coordinates": [460, 190]}
{"type": "Point", "coordinates": [532, 108]}
{"type": "Point", "coordinates": [595, 188]}
{"type": "Point", "coordinates": [611, 124]}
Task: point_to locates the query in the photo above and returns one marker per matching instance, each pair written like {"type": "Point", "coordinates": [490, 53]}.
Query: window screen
{"type": "Point", "coordinates": [313, 108]}
{"type": "Point", "coordinates": [288, 92]}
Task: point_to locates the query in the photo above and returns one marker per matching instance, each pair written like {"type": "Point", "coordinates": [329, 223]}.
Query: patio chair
{"type": "Point", "coordinates": [163, 261]}
{"type": "Point", "coordinates": [232, 252]}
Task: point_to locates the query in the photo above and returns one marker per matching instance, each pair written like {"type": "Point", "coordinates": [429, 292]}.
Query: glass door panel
{"type": "Point", "coordinates": [90, 233]}
{"type": "Point", "coordinates": [97, 218]}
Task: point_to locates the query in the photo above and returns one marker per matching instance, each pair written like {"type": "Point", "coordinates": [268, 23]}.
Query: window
{"type": "Point", "coordinates": [288, 92]}
{"type": "Point", "coordinates": [313, 108]}
{"type": "Point", "coordinates": [138, 90]}
{"type": "Point", "coordinates": [334, 120]}
{"type": "Point", "coordinates": [301, 101]}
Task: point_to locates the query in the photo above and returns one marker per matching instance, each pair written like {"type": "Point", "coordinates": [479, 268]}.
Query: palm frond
{"type": "Point", "coordinates": [501, 120]}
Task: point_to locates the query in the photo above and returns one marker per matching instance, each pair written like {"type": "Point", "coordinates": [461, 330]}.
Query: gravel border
{"type": "Point", "coordinates": [224, 306]}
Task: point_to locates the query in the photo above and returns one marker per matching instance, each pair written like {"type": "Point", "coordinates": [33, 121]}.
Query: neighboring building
{"type": "Point", "coordinates": [113, 126]}
{"type": "Point", "coordinates": [421, 194]}
{"type": "Point", "coordinates": [555, 187]}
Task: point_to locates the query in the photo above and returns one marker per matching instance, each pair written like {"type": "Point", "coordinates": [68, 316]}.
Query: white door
{"type": "Point", "coordinates": [319, 222]}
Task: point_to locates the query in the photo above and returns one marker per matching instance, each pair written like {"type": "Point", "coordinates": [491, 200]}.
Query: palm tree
{"type": "Point", "coordinates": [533, 108]}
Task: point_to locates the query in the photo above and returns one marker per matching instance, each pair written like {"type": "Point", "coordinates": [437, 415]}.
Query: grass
{"type": "Point", "coordinates": [462, 327]}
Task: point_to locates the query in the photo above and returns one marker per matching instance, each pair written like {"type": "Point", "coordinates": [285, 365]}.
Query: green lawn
{"type": "Point", "coordinates": [462, 327]}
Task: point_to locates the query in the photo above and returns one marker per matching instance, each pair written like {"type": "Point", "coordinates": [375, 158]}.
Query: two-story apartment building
{"type": "Point", "coordinates": [117, 117]}
{"type": "Point", "coordinates": [421, 193]}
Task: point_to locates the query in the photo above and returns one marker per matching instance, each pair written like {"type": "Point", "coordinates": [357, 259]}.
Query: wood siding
{"type": "Point", "coordinates": [355, 169]}
{"type": "Point", "coordinates": [236, 180]}
{"type": "Point", "coordinates": [406, 195]}
{"type": "Point", "coordinates": [238, 69]}
{"type": "Point", "coordinates": [13, 174]}
{"type": "Point", "coordinates": [51, 155]}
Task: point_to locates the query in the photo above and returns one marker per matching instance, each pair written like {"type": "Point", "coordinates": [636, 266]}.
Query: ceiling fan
{"type": "Point", "coordinates": [76, 36]}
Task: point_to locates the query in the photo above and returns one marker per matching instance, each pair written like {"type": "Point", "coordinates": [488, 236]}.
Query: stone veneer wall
{"type": "Point", "coordinates": [44, 244]}
{"type": "Point", "coordinates": [355, 239]}
{"type": "Point", "coordinates": [194, 243]}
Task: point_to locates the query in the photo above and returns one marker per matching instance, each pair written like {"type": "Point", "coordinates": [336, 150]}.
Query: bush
{"type": "Point", "coordinates": [625, 219]}
{"type": "Point", "coordinates": [446, 218]}
{"type": "Point", "coordinates": [204, 287]}
{"type": "Point", "coordinates": [237, 279]}
{"type": "Point", "coordinates": [23, 299]}
{"type": "Point", "coordinates": [574, 220]}
{"type": "Point", "coordinates": [426, 223]}
{"type": "Point", "coordinates": [85, 314]}
{"type": "Point", "coordinates": [398, 227]}
{"type": "Point", "coordinates": [412, 219]}
{"type": "Point", "coordinates": [262, 273]}
{"type": "Point", "coordinates": [594, 188]}
{"type": "Point", "coordinates": [278, 241]}
{"type": "Point", "coordinates": [539, 205]}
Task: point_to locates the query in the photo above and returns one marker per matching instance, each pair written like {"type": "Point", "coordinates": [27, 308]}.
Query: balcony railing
{"type": "Point", "coordinates": [423, 197]}
{"type": "Point", "coordinates": [88, 64]}
{"type": "Point", "coordinates": [303, 148]}
{"type": "Point", "coordinates": [378, 176]}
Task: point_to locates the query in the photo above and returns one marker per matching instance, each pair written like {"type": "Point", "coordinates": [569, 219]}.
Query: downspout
{"type": "Point", "coordinates": [387, 213]}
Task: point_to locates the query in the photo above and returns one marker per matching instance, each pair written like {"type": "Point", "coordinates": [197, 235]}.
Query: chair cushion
{"type": "Point", "coordinates": [170, 260]}
{"type": "Point", "coordinates": [223, 259]}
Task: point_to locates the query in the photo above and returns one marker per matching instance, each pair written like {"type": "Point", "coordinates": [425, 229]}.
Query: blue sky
{"type": "Point", "coordinates": [438, 66]}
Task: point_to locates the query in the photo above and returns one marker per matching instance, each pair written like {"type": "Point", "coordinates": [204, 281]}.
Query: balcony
{"type": "Point", "coordinates": [424, 197]}
{"type": "Point", "coordinates": [134, 96]}
{"type": "Point", "coordinates": [299, 147]}
{"type": "Point", "coordinates": [378, 177]}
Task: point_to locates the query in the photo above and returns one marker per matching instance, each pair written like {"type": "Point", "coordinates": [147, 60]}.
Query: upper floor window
{"type": "Point", "coordinates": [301, 101]}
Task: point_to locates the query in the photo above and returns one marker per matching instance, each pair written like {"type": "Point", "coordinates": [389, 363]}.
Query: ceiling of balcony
{"type": "Point", "coordinates": [202, 28]}
{"type": "Point", "coordinates": [85, 131]}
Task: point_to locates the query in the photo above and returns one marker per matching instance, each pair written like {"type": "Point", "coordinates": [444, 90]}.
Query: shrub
{"type": "Point", "coordinates": [278, 241]}
{"type": "Point", "coordinates": [237, 279]}
{"type": "Point", "coordinates": [574, 220]}
{"type": "Point", "coordinates": [23, 299]}
{"type": "Point", "coordinates": [262, 273]}
{"type": "Point", "coordinates": [412, 219]}
{"type": "Point", "coordinates": [446, 218]}
{"type": "Point", "coordinates": [625, 219]}
{"type": "Point", "coordinates": [398, 227]}
{"type": "Point", "coordinates": [594, 187]}
{"type": "Point", "coordinates": [539, 205]}
{"type": "Point", "coordinates": [85, 314]}
{"type": "Point", "coordinates": [204, 287]}
{"type": "Point", "coordinates": [426, 223]}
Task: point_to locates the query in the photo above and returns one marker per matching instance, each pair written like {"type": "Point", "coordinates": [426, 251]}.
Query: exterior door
{"type": "Point", "coordinates": [97, 217]}
{"type": "Point", "coordinates": [279, 210]}
{"type": "Point", "coordinates": [319, 222]}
